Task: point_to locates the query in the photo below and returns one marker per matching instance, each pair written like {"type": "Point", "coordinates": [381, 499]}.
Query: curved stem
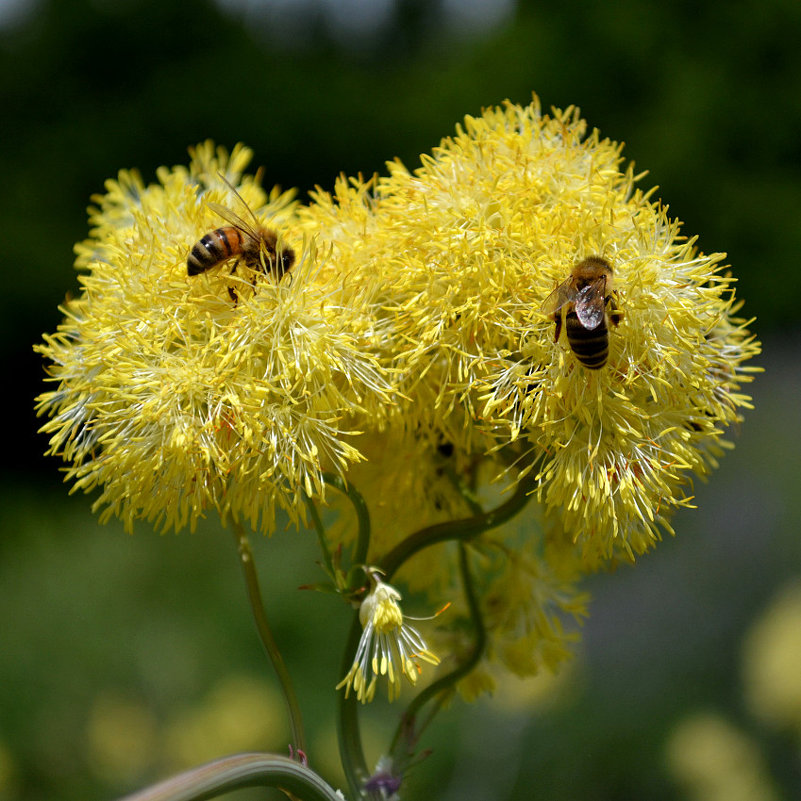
{"type": "Point", "coordinates": [463, 530]}
{"type": "Point", "coordinates": [318, 527]}
{"type": "Point", "coordinates": [362, 515]}
{"type": "Point", "coordinates": [241, 770]}
{"type": "Point", "coordinates": [350, 742]}
{"type": "Point", "coordinates": [266, 635]}
{"type": "Point", "coordinates": [348, 733]}
{"type": "Point", "coordinates": [447, 682]}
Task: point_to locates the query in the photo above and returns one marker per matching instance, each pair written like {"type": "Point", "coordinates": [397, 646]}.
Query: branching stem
{"type": "Point", "coordinates": [462, 530]}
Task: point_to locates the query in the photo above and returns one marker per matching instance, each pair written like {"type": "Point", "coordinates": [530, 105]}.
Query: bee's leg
{"type": "Point", "coordinates": [231, 290]}
{"type": "Point", "coordinates": [615, 314]}
{"type": "Point", "coordinates": [558, 320]}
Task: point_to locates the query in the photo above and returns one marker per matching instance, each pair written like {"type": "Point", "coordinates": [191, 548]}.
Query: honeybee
{"type": "Point", "coordinates": [250, 243]}
{"type": "Point", "coordinates": [586, 293]}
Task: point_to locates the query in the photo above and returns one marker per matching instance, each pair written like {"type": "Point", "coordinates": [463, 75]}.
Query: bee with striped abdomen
{"type": "Point", "coordinates": [258, 247]}
{"type": "Point", "coordinates": [586, 293]}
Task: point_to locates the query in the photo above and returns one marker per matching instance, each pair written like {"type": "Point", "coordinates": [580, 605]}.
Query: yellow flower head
{"type": "Point", "coordinates": [389, 646]}
{"type": "Point", "coordinates": [462, 256]}
{"type": "Point", "coordinates": [231, 389]}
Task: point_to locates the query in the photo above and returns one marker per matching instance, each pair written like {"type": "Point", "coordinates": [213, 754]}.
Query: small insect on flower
{"type": "Point", "coordinates": [253, 244]}
{"type": "Point", "coordinates": [586, 292]}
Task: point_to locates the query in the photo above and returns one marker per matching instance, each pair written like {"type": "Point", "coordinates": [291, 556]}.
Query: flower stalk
{"type": "Point", "coordinates": [462, 530]}
{"type": "Point", "coordinates": [351, 750]}
{"type": "Point", "coordinates": [235, 772]}
{"type": "Point", "coordinates": [325, 550]}
{"type": "Point", "coordinates": [406, 735]}
{"type": "Point", "coordinates": [362, 516]}
{"type": "Point", "coordinates": [267, 638]}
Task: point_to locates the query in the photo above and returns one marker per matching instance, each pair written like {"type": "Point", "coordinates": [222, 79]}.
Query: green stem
{"type": "Point", "coordinates": [266, 635]}
{"type": "Point", "coordinates": [439, 688]}
{"type": "Point", "coordinates": [362, 515]}
{"type": "Point", "coordinates": [350, 742]}
{"type": "Point", "coordinates": [462, 530]}
{"type": "Point", "coordinates": [318, 527]}
{"type": "Point", "coordinates": [241, 770]}
{"type": "Point", "coordinates": [349, 735]}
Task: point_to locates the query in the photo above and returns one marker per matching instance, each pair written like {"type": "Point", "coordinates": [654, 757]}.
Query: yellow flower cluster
{"type": "Point", "coordinates": [415, 316]}
{"type": "Point", "coordinates": [174, 398]}
{"type": "Point", "coordinates": [459, 257]}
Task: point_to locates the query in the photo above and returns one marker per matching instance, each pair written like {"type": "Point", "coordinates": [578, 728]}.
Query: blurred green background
{"type": "Point", "coordinates": [122, 658]}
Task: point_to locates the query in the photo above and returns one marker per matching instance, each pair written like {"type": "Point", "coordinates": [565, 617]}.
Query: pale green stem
{"type": "Point", "coordinates": [266, 635]}
{"type": "Point", "coordinates": [406, 733]}
{"type": "Point", "coordinates": [241, 770]}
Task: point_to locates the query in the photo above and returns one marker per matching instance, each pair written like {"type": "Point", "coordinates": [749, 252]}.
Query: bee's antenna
{"type": "Point", "coordinates": [240, 198]}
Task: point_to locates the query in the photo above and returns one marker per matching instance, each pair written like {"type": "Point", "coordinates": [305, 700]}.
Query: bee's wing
{"type": "Point", "coordinates": [239, 198]}
{"type": "Point", "coordinates": [233, 219]}
{"type": "Point", "coordinates": [591, 303]}
{"type": "Point", "coordinates": [559, 297]}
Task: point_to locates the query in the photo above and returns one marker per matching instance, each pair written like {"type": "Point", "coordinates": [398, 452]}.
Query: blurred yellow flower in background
{"type": "Point", "coordinates": [772, 662]}
{"type": "Point", "coordinates": [121, 735]}
{"type": "Point", "coordinates": [239, 713]}
{"type": "Point", "coordinates": [714, 761]}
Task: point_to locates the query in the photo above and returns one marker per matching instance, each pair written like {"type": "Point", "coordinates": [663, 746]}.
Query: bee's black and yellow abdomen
{"type": "Point", "coordinates": [213, 249]}
{"type": "Point", "coordinates": [591, 346]}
